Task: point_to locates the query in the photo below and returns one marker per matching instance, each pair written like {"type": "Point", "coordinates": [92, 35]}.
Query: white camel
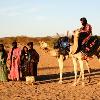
{"type": "Point", "coordinates": [44, 46]}
{"type": "Point", "coordinates": [75, 57]}
{"type": "Point", "coordinates": [60, 58]}
{"type": "Point", "coordinates": [79, 56]}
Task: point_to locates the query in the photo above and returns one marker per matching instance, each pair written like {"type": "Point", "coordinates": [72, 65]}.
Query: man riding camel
{"type": "Point", "coordinates": [86, 28]}
{"type": "Point", "coordinates": [85, 31]}
{"type": "Point", "coordinates": [84, 34]}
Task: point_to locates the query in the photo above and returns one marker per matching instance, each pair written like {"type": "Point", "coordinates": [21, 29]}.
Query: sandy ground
{"type": "Point", "coordinates": [47, 87]}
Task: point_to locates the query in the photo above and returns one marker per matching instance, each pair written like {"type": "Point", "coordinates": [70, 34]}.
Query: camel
{"type": "Point", "coordinates": [75, 57]}
{"type": "Point", "coordinates": [78, 56]}
{"type": "Point", "coordinates": [61, 58]}
{"type": "Point", "coordinates": [44, 46]}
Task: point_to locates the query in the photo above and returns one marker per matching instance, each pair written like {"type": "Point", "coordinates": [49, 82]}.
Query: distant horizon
{"type": "Point", "coordinates": [33, 36]}
{"type": "Point", "coordinates": [38, 36]}
{"type": "Point", "coordinates": [46, 18]}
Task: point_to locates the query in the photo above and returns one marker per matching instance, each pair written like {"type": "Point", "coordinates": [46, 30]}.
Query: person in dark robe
{"type": "Point", "coordinates": [25, 58]}
{"type": "Point", "coordinates": [34, 59]}
{"type": "Point", "coordinates": [85, 30]}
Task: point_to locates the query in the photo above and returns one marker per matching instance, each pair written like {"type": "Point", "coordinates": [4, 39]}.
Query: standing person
{"type": "Point", "coordinates": [3, 67]}
{"type": "Point", "coordinates": [14, 57]}
{"type": "Point", "coordinates": [24, 62]}
{"type": "Point", "coordinates": [34, 59]}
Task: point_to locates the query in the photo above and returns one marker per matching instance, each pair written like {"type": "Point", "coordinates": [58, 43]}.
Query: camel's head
{"type": "Point", "coordinates": [76, 32]}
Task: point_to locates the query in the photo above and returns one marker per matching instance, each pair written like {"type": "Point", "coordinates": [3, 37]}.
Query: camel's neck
{"type": "Point", "coordinates": [76, 38]}
{"type": "Point", "coordinates": [75, 44]}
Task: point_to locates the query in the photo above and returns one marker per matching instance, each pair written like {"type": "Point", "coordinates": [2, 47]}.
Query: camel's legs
{"type": "Point", "coordinates": [88, 67]}
{"type": "Point", "coordinates": [99, 82]}
{"type": "Point", "coordinates": [61, 64]}
{"type": "Point", "coordinates": [82, 70]}
{"type": "Point", "coordinates": [75, 69]}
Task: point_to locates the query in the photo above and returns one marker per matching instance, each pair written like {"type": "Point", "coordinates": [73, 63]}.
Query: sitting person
{"type": "Point", "coordinates": [3, 67]}
{"type": "Point", "coordinates": [86, 28]}
{"type": "Point", "coordinates": [85, 31]}
{"type": "Point", "coordinates": [83, 35]}
{"type": "Point", "coordinates": [84, 41]}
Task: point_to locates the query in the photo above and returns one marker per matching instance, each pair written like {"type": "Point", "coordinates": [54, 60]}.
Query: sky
{"type": "Point", "coordinates": [39, 18]}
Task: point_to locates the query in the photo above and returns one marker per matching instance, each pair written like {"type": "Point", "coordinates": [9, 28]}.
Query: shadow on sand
{"type": "Point", "coordinates": [66, 76]}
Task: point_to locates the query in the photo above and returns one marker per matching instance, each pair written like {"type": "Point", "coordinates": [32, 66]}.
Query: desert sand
{"type": "Point", "coordinates": [47, 88]}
